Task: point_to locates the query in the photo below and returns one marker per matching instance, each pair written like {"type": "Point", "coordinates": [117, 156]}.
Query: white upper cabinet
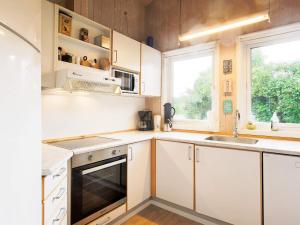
{"type": "Point", "coordinates": [126, 52]}
{"type": "Point", "coordinates": [150, 71]}
{"type": "Point", "coordinates": [175, 172]}
{"type": "Point", "coordinates": [139, 177]}
{"type": "Point", "coordinates": [228, 185]}
{"type": "Point", "coordinates": [281, 189]}
{"type": "Point", "coordinates": [24, 17]}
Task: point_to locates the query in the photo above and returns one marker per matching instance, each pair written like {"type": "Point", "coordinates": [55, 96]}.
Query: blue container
{"type": "Point", "coordinates": [150, 41]}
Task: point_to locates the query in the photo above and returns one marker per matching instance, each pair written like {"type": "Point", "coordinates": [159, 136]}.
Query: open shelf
{"type": "Point", "coordinates": [79, 42]}
{"type": "Point", "coordinates": [74, 46]}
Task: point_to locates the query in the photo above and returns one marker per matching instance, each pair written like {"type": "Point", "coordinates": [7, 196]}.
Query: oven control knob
{"type": "Point", "coordinates": [90, 157]}
{"type": "Point", "coordinates": [114, 152]}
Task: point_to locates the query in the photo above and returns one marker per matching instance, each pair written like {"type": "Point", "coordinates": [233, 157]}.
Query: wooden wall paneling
{"type": "Point", "coordinates": [198, 14]}
{"type": "Point", "coordinates": [227, 51]}
{"type": "Point", "coordinates": [103, 11]}
{"type": "Point", "coordinates": [90, 9]}
{"type": "Point", "coordinates": [111, 13]}
{"type": "Point", "coordinates": [153, 104]}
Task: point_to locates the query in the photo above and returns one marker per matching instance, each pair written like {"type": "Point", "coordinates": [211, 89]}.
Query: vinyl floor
{"type": "Point", "coordinates": [153, 215]}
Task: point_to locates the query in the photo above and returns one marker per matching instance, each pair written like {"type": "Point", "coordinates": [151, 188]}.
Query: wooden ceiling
{"type": "Point", "coordinates": [146, 2]}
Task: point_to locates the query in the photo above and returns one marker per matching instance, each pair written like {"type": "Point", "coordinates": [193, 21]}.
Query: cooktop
{"type": "Point", "coordinates": [82, 142]}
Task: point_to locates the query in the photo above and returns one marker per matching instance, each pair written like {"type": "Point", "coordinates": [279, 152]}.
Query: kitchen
{"type": "Point", "coordinates": [150, 112]}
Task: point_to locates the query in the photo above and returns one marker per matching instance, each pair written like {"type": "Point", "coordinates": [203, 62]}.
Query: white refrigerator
{"type": "Point", "coordinates": [20, 113]}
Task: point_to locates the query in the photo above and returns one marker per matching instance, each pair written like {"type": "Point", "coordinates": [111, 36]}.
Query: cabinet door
{"type": "Point", "coordinates": [139, 169]}
{"type": "Point", "coordinates": [126, 52]}
{"type": "Point", "coordinates": [281, 189]}
{"type": "Point", "coordinates": [174, 172]}
{"type": "Point", "coordinates": [150, 71]}
{"type": "Point", "coordinates": [228, 185]}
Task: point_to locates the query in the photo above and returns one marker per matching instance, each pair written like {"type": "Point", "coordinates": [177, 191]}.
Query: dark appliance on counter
{"type": "Point", "coordinates": [146, 120]}
{"type": "Point", "coordinates": [99, 179]}
{"type": "Point", "coordinates": [169, 113]}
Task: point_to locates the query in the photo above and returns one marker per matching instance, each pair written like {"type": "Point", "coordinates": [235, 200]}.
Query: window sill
{"type": "Point", "coordinates": [279, 133]}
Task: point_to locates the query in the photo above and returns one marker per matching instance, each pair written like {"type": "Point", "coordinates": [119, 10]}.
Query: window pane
{"type": "Point", "coordinates": [192, 87]}
{"type": "Point", "coordinates": [276, 82]}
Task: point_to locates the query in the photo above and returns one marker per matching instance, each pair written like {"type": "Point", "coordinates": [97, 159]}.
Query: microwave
{"type": "Point", "coordinates": [130, 82]}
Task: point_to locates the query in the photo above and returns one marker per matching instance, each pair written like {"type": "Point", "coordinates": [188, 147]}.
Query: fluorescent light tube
{"type": "Point", "coordinates": [256, 18]}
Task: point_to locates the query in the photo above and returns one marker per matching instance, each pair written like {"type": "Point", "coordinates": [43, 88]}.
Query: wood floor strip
{"type": "Point", "coordinates": [153, 215]}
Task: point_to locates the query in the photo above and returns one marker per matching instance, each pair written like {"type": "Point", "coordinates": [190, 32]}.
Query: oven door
{"type": "Point", "coordinates": [127, 81]}
{"type": "Point", "coordinates": [98, 188]}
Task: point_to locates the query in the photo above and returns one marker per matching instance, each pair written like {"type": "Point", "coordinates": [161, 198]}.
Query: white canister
{"type": "Point", "coordinates": [157, 122]}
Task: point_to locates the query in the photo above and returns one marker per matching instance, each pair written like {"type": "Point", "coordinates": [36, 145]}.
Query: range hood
{"type": "Point", "coordinates": [80, 80]}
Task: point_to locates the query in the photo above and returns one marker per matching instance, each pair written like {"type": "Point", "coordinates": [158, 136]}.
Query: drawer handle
{"type": "Point", "coordinates": [104, 222]}
{"type": "Point", "coordinates": [59, 195]}
{"type": "Point", "coordinates": [61, 171]}
{"type": "Point", "coordinates": [60, 215]}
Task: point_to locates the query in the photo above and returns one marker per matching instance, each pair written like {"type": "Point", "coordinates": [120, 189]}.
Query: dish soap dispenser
{"type": "Point", "coordinates": [274, 122]}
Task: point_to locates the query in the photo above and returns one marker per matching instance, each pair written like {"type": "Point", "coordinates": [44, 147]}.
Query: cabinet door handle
{"type": "Point", "coordinates": [131, 153]}
{"type": "Point", "coordinates": [116, 56]}
{"type": "Point", "coordinates": [190, 152]}
{"type": "Point", "coordinates": [104, 222]}
{"type": "Point", "coordinates": [197, 155]}
{"type": "Point", "coordinates": [60, 194]}
{"type": "Point", "coordinates": [60, 216]}
{"type": "Point", "coordinates": [61, 171]}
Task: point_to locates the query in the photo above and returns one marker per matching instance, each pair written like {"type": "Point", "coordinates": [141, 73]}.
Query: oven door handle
{"type": "Point", "coordinates": [94, 169]}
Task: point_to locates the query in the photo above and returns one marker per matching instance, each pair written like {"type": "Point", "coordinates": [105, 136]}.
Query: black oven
{"type": "Point", "coordinates": [99, 183]}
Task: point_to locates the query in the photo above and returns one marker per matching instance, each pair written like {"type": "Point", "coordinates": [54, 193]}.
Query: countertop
{"type": "Point", "coordinates": [263, 145]}
{"type": "Point", "coordinates": [53, 157]}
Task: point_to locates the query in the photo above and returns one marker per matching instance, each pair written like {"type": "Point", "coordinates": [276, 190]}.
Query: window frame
{"type": "Point", "coordinates": [244, 45]}
{"type": "Point", "coordinates": [206, 49]}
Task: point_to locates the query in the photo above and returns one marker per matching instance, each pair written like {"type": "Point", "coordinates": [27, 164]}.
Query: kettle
{"type": "Point", "coordinates": [169, 114]}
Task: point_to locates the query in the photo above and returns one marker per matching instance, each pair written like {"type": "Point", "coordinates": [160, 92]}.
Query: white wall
{"type": "Point", "coordinates": [72, 115]}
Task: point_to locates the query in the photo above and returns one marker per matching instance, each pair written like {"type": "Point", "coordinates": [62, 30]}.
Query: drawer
{"type": "Point", "coordinates": [65, 221]}
{"type": "Point", "coordinates": [109, 216]}
{"type": "Point", "coordinates": [58, 214]}
{"type": "Point", "coordinates": [52, 180]}
{"type": "Point", "coordinates": [55, 199]}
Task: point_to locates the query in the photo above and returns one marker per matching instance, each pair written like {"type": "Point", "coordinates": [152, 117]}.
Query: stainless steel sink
{"type": "Point", "coordinates": [232, 139]}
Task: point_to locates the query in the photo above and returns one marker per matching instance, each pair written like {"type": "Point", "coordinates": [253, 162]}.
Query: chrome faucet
{"type": "Point", "coordinates": [237, 117]}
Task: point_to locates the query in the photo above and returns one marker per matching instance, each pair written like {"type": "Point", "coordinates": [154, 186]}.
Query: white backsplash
{"type": "Point", "coordinates": [65, 115]}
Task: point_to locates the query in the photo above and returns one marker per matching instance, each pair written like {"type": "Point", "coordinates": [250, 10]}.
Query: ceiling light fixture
{"type": "Point", "coordinates": [255, 18]}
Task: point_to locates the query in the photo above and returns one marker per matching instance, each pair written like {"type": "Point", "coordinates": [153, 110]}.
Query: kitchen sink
{"type": "Point", "coordinates": [232, 139]}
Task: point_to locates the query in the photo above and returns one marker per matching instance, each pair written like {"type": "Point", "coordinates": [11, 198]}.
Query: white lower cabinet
{"type": "Point", "coordinates": [54, 198]}
{"type": "Point", "coordinates": [139, 173]}
{"type": "Point", "coordinates": [174, 172]}
{"type": "Point", "coordinates": [228, 185]}
{"type": "Point", "coordinates": [281, 189]}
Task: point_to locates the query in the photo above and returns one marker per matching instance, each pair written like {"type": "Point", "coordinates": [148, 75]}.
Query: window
{"type": "Point", "coordinates": [269, 78]}
{"type": "Point", "coordinates": [192, 87]}
{"type": "Point", "coordinates": [191, 81]}
{"type": "Point", "coordinates": [275, 82]}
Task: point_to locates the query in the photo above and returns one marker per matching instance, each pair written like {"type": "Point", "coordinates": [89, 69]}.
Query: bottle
{"type": "Point", "coordinates": [274, 122]}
